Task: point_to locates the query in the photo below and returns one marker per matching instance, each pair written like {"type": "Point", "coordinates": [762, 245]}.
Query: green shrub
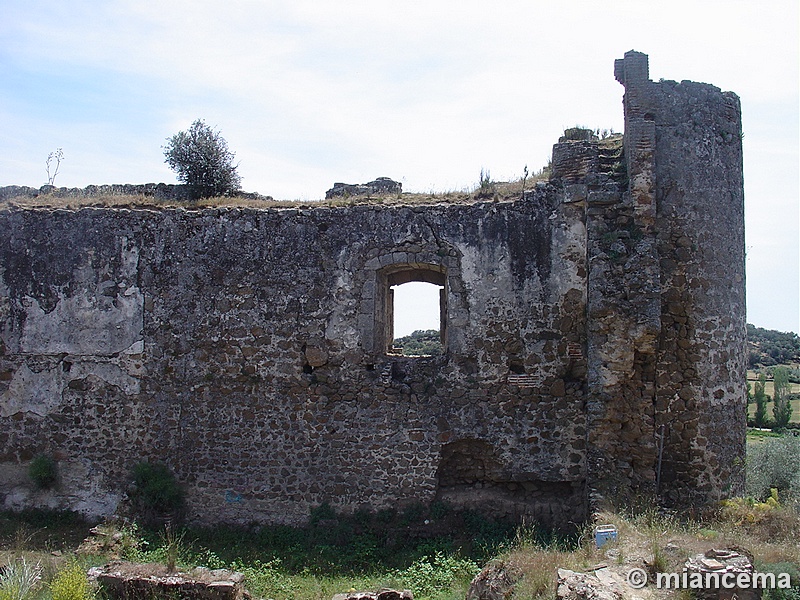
{"type": "Point", "coordinates": [155, 494]}
{"type": "Point", "coordinates": [578, 134]}
{"type": "Point", "coordinates": [71, 584]}
{"type": "Point", "coordinates": [267, 579]}
{"type": "Point", "coordinates": [323, 512]}
{"type": "Point", "coordinates": [486, 187]}
{"type": "Point", "coordinates": [782, 594]}
{"type": "Point", "coordinates": [43, 471]}
{"type": "Point", "coordinates": [437, 573]}
{"type": "Point", "coordinates": [773, 464]}
{"type": "Point", "coordinates": [771, 520]}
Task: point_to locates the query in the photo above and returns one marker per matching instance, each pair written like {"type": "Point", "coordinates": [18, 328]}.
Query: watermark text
{"type": "Point", "coordinates": [638, 578]}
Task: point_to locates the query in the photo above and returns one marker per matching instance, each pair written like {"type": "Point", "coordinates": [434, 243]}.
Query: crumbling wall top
{"type": "Point", "coordinates": [634, 68]}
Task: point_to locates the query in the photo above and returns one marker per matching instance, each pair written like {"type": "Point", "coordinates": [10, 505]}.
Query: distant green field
{"type": "Point", "coordinates": [769, 389]}
{"type": "Point", "coordinates": [752, 377]}
{"type": "Point", "coordinates": [759, 436]}
{"type": "Point", "coordinates": [751, 410]}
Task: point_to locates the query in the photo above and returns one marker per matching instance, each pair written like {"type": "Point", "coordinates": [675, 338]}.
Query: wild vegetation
{"type": "Point", "coordinates": [154, 495]}
{"type": "Point", "coordinates": [420, 343]}
{"type": "Point", "coordinates": [202, 160]}
{"type": "Point", "coordinates": [773, 386]}
{"type": "Point", "coordinates": [768, 347]}
{"type": "Point", "coordinates": [434, 551]}
{"type": "Point", "coordinates": [54, 162]}
{"type": "Point", "coordinates": [43, 471]}
{"type": "Point", "coordinates": [486, 189]}
{"type": "Point", "coordinates": [773, 464]}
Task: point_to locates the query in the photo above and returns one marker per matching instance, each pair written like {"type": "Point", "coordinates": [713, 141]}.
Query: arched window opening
{"type": "Point", "coordinates": [417, 318]}
{"type": "Point", "coordinates": [412, 297]}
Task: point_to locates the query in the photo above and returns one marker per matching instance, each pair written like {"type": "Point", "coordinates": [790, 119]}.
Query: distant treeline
{"type": "Point", "coordinates": [768, 347]}
{"type": "Point", "coordinates": [420, 343]}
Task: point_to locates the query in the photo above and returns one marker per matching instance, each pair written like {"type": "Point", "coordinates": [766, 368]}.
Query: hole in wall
{"type": "Point", "coordinates": [397, 372]}
{"type": "Point", "coordinates": [516, 366]}
{"type": "Point", "coordinates": [469, 462]}
{"type": "Point", "coordinates": [471, 474]}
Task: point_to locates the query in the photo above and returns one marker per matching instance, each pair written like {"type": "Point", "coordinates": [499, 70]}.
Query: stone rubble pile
{"type": "Point", "coordinates": [382, 185]}
{"type": "Point", "coordinates": [496, 581]}
{"type": "Point", "coordinates": [598, 585]}
{"type": "Point", "coordinates": [718, 563]}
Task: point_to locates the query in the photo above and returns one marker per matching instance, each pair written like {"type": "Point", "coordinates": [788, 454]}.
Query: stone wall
{"type": "Point", "coordinates": [250, 349]}
{"type": "Point", "coordinates": [238, 346]}
{"type": "Point", "coordinates": [156, 191]}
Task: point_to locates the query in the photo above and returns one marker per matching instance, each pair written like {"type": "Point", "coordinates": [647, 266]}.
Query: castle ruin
{"type": "Point", "coordinates": [594, 336]}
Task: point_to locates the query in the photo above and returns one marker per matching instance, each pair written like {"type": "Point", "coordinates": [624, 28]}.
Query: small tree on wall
{"type": "Point", "coordinates": [202, 160]}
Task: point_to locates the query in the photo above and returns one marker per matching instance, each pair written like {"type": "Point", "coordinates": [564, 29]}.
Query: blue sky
{"type": "Point", "coordinates": [428, 93]}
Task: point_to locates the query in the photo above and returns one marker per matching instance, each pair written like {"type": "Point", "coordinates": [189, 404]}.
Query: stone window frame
{"type": "Point", "coordinates": [440, 267]}
{"type": "Point", "coordinates": [399, 274]}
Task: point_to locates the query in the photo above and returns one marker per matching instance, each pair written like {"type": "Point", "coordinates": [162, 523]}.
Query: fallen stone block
{"type": "Point", "coordinates": [131, 581]}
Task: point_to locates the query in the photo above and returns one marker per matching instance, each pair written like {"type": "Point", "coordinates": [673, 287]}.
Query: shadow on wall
{"type": "Point", "coordinates": [471, 475]}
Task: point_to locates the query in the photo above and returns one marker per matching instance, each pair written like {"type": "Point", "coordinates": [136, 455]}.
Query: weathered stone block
{"type": "Point", "coordinates": [130, 581]}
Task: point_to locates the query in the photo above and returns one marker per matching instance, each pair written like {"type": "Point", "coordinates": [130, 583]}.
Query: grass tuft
{"type": "Point", "coordinates": [19, 580]}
